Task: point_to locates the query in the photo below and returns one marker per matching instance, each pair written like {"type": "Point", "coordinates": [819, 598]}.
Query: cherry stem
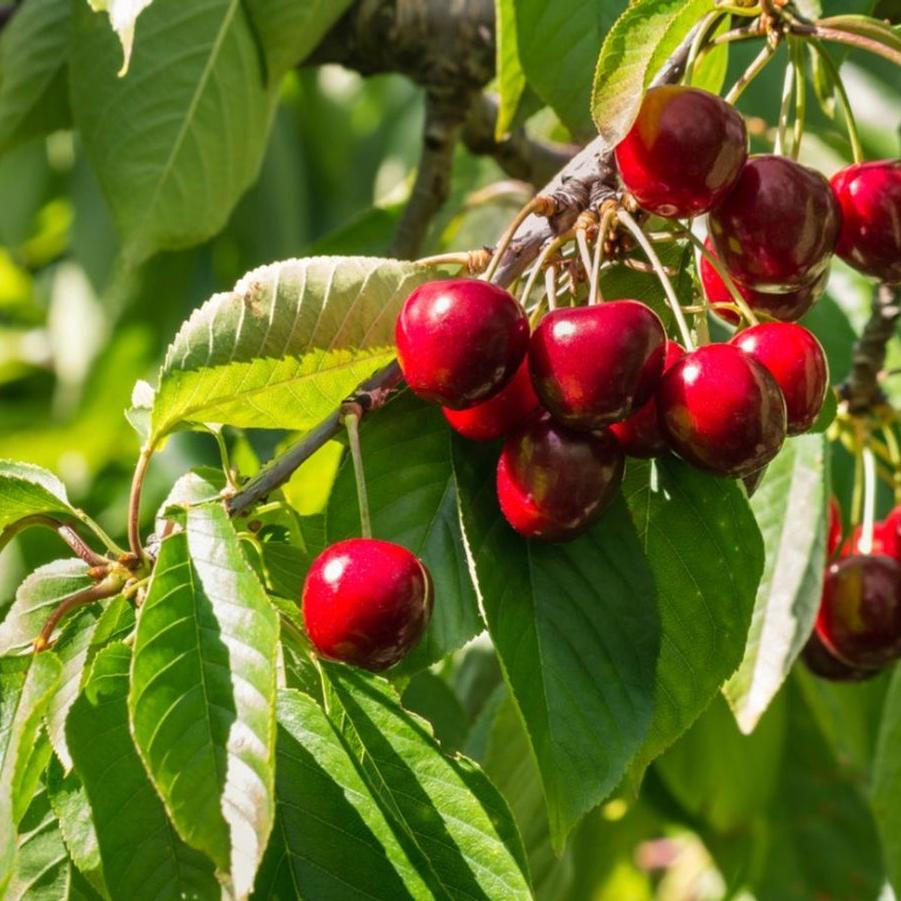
{"type": "Point", "coordinates": [788, 88]}
{"type": "Point", "coordinates": [594, 289]}
{"type": "Point", "coordinates": [550, 287]}
{"type": "Point", "coordinates": [843, 101]}
{"type": "Point", "coordinates": [584, 252]}
{"type": "Point", "coordinates": [797, 55]}
{"type": "Point", "coordinates": [473, 261]}
{"type": "Point", "coordinates": [504, 242]}
{"type": "Point", "coordinates": [839, 36]}
{"type": "Point", "coordinates": [352, 414]}
{"type": "Point", "coordinates": [708, 24]}
{"type": "Point", "coordinates": [869, 500]}
{"type": "Point", "coordinates": [68, 534]}
{"type": "Point", "coordinates": [723, 273]}
{"type": "Point", "coordinates": [110, 586]}
{"type": "Point", "coordinates": [753, 70]}
{"type": "Point", "coordinates": [543, 257]}
{"type": "Point", "coordinates": [654, 260]}
{"type": "Point", "coordinates": [894, 451]}
{"type": "Point", "coordinates": [134, 502]}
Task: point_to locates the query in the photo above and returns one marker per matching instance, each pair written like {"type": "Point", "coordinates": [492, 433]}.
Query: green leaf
{"type": "Point", "coordinates": [36, 599]}
{"type": "Point", "coordinates": [443, 809]}
{"type": "Point", "coordinates": [886, 786]}
{"type": "Point", "coordinates": [27, 490]}
{"type": "Point", "coordinates": [710, 73]}
{"type": "Point", "coordinates": [558, 44]}
{"type": "Point", "coordinates": [142, 855]}
{"type": "Point", "coordinates": [8, 845]}
{"type": "Point", "coordinates": [413, 501]}
{"type": "Point", "coordinates": [286, 345]}
{"type": "Point", "coordinates": [331, 838]}
{"type": "Point", "coordinates": [634, 49]}
{"type": "Point", "coordinates": [289, 31]}
{"type": "Point", "coordinates": [33, 89]}
{"type": "Point", "coordinates": [790, 507]}
{"type": "Point", "coordinates": [705, 552]}
{"type": "Point", "coordinates": [202, 695]}
{"type": "Point", "coordinates": [176, 142]}
{"type": "Point", "coordinates": [23, 698]}
{"type": "Point", "coordinates": [511, 80]}
{"type": "Point", "coordinates": [122, 16]}
{"type": "Point", "coordinates": [43, 872]}
{"type": "Point", "coordinates": [434, 700]}
{"type": "Point", "coordinates": [577, 631]}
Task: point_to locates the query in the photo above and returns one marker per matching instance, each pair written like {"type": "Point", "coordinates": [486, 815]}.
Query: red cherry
{"type": "Point", "coordinates": [860, 614]}
{"type": "Point", "coordinates": [459, 341]}
{"type": "Point", "coordinates": [684, 152]}
{"type": "Point", "coordinates": [823, 663]}
{"type": "Point", "coordinates": [834, 533]}
{"type": "Point", "coordinates": [787, 307]}
{"type": "Point", "coordinates": [722, 410]}
{"type": "Point", "coordinates": [777, 228]}
{"type": "Point", "coordinates": [366, 602]}
{"type": "Point", "coordinates": [891, 534]}
{"type": "Point", "coordinates": [639, 435]}
{"type": "Point", "coordinates": [594, 365]}
{"type": "Point", "coordinates": [796, 360]}
{"type": "Point", "coordinates": [553, 482]}
{"type": "Point", "coordinates": [884, 541]}
{"type": "Point", "coordinates": [870, 197]}
{"type": "Point", "coordinates": [500, 414]}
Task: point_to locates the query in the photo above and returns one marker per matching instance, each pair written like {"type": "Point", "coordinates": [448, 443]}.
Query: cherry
{"type": "Point", "coordinates": [722, 410]}
{"type": "Point", "coordinates": [639, 435]}
{"type": "Point", "coordinates": [886, 537]}
{"type": "Point", "coordinates": [553, 482]}
{"type": "Point", "coordinates": [500, 414]}
{"type": "Point", "coordinates": [860, 614]}
{"type": "Point", "coordinates": [786, 306]}
{"type": "Point", "coordinates": [823, 663]}
{"type": "Point", "coordinates": [684, 152]}
{"type": "Point", "coordinates": [366, 602]}
{"type": "Point", "coordinates": [834, 532]}
{"type": "Point", "coordinates": [594, 365]}
{"type": "Point", "coordinates": [459, 341]}
{"type": "Point", "coordinates": [776, 229]}
{"type": "Point", "coordinates": [796, 360]}
{"type": "Point", "coordinates": [870, 197]}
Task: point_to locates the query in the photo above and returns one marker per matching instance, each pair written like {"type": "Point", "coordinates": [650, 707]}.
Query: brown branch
{"type": "Point", "coordinates": [861, 389]}
{"type": "Point", "coordinates": [109, 587]}
{"type": "Point", "coordinates": [68, 534]}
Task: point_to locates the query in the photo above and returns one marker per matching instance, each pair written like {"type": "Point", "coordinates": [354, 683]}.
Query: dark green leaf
{"type": "Point", "coordinates": [790, 507]}
{"type": "Point", "coordinates": [413, 501]}
{"type": "Point", "coordinates": [202, 695]}
{"type": "Point", "coordinates": [433, 699]}
{"type": "Point", "coordinates": [142, 855]}
{"type": "Point", "coordinates": [886, 787]}
{"type": "Point", "coordinates": [576, 629]}
{"type": "Point", "coordinates": [704, 549]}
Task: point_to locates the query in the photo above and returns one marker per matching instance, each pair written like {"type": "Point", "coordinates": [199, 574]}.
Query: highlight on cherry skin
{"type": "Point", "coordinates": [459, 341]}
{"type": "Point", "coordinates": [722, 411]}
{"type": "Point", "coordinates": [592, 366]}
{"type": "Point", "coordinates": [776, 230]}
{"type": "Point", "coordinates": [366, 602]}
{"type": "Point", "coordinates": [553, 481]}
{"type": "Point", "coordinates": [683, 153]}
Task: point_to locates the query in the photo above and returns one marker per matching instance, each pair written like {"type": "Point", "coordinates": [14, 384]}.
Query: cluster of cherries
{"type": "Point", "coordinates": [595, 383]}
{"type": "Point", "coordinates": [858, 627]}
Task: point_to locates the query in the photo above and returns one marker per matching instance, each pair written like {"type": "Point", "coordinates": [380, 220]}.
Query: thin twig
{"type": "Point", "coordinates": [67, 532]}
{"type": "Point", "coordinates": [134, 502]}
{"type": "Point", "coordinates": [110, 586]}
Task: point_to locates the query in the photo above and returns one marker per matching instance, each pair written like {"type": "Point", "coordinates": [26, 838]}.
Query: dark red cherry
{"type": "Point", "coordinates": [870, 197]}
{"type": "Point", "coordinates": [787, 306]}
{"type": "Point", "coordinates": [722, 410]}
{"type": "Point", "coordinates": [553, 482]}
{"type": "Point", "coordinates": [594, 365]}
{"type": "Point", "coordinates": [859, 619]}
{"type": "Point", "coordinates": [366, 602]}
{"type": "Point", "coordinates": [459, 341]}
{"type": "Point", "coordinates": [823, 663]}
{"type": "Point", "coordinates": [777, 228]}
{"type": "Point", "coordinates": [499, 414]}
{"type": "Point", "coordinates": [684, 152]}
{"type": "Point", "coordinates": [834, 528]}
{"type": "Point", "coordinates": [639, 435]}
{"type": "Point", "coordinates": [796, 360]}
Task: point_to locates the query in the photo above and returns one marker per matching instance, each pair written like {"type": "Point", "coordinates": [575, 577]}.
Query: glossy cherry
{"type": "Point", "coordinates": [459, 341]}
{"type": "Point", "coordinates": [684, 151]}
{"type": "Point", "coordinates": [594, 365]}
{"type": "Point", "coordinates": [777, 228]}
{"type": "Point", "coordinates": [366, 602]}
{"type": "Point", "coordinates": [499, 414]}
{"type": "Point", "coordinates": [859, 619]}
{"type": "Point", "coordinates": [834, 528]}
{"type": "Point", "coordinates": [823, 663]}
{"type": "Point", "coordinates": [787, 306]}
{"type": "Point", "coordinates": [886, 537]}
{"type": "Point", "coordinates": [870, 197]}
{"type": "Point", "coordinates": [639, 435]}
{"type": "Point", "coordinates": [553, 482]}
{"type": "Point", "coordinates": [796, 360]}
{"type": "Point", "coordinates": [722, 410]}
